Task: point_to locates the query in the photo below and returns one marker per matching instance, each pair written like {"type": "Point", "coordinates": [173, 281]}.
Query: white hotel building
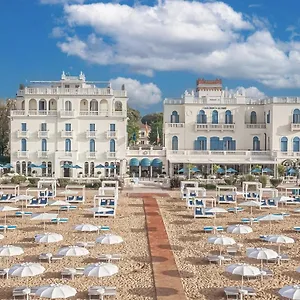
{"type": "Point", "coordinates": [74, 121]}
{"type": "Point", "coordinates": [69, 122]}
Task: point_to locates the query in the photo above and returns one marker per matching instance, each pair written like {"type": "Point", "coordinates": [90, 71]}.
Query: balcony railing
{"type": "Point", "coordinates": [43, 154]}
{"type": "Point", "coordinates": [43, 133]}
{"type": "Point", "coordinates": [67, 134]}
{"type": "Point", "coordinates": [295, 126]}
{"type": "Point", "coordinates": [111, 134]}
{"type": "Point", "coordinates": [256, 126]}
{"type": "Point", "coordinates": [22, 154]}
{"type": "Point", "coordinates": [143, 151]}
{"type": "Point", "coordinates": [91, 154]}
{"type": "Point", "coordinates": [33, 112]}
{"type": "Point", "coordinates": [67, 113]}
{"type": "Point", "coordinates": [91, 134]}
{"type": "Point", "coordinates": [175, 125]}
{"type": "Point", "coordinates": [22, 134]}
{"type": "Point", "coordinates": [66, 155]}
{"type": "Point", "coordinates": [110, 154]}
{"type": "Point", "coordinates": [214, 127]}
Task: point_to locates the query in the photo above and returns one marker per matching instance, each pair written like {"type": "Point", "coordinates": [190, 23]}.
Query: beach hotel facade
{"type": "Point", "coordinates": [78, 128]}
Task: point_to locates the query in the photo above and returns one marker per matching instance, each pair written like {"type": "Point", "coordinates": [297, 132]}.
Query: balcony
{"type": "Point", "coordinates": [67, 134]}
{"type": "Point", "coordinates": [110, 155]}
{"type": "Point", "coordinates": [22, 134]}
{"type": "Point", "coordinates": [174, 125]}
{"type": "Point", "coordinates": [22, 154]}
{"type": "Point", "coordinates": [91, 134]}
{"type": "Point", "coordinates": [103, 113]}
{"type": "Point", "coordinates": [43, 133]}
{"type": "Point", "coordinates": [256, 126]}
{"type": "Point", "coordinates": [145, 151]}
{"type": "Point", "coordinates": [67, 114]}
{"type": "Point", "coordinates": [43, 154]}
{"type": "Point", "coordinates": [33, 112]}
{"type": "Point", "coordinates": [214, 127]}
{"type": "Point", "coordinates": [91, 155]}
{"type": "Point", "coordinates": [67, 155]}
{"type": "Point", "coordinates": [295, 126]}
{"type": "Point", "coordinates": [111, 134]}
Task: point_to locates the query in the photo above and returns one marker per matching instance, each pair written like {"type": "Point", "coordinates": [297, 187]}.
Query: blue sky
{"type": "Point", "coordinates": [158, 49]}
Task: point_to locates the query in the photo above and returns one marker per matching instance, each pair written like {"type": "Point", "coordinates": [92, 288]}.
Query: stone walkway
{"type": "Point", "coordinates": [167, 280]}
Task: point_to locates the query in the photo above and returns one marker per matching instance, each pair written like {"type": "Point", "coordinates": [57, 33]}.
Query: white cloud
{"type": "Point", "coordinates": [57, 32]}
{"type": "Point", "coordinates": [61, 1]}
{"type": "Point", "coordinates": [208, 38]}
{"type": "Point", "coordinates": [251, 92]}
{"type": "Point", "coordinates": [140, 95]}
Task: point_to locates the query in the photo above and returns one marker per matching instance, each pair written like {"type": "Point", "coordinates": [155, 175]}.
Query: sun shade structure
{"type": "Point", "coordinates": [239, 229]}
{"type": "Point", "coordinates": [109, 239]}
{"type": "Point", "coordinates": [26, 270]}
{"type": "Point", "coordinates": [48, 238]}
{"type": "Point", "coordinates": [56, 291]}
{"type": "Point", "coordinates": [221, 240]}
{"type": "Point", "coordinates": [262, 254]}
{"type": "Point", "coordinates": [73, 251]}
{"type": "Point", "coordinates": [43, 217]}
{"type": "Point", "coordinates": [101, 270]}
{"type": "Point", "coordinates": [290, 292]}
{"type": "Point", "coordinates": [280, 239]}
{"type": "Point", "coordinates": [86, 228]}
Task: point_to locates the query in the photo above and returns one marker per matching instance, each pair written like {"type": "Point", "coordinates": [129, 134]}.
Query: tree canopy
{"type": "Point", "coordinates": [134, 119]}
{"type": "Point", "coordinates": [152, 118]}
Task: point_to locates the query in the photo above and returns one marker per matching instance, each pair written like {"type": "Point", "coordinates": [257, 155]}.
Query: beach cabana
{"type": "Point", "coordinates": [9, 191]}
{"type": "Point", "coordinates": [184, 185]}
{"type": "Point", "coordinates": [246, 189]}
{"type": "Point", "coordinates": [50, 184]}
{"type": "Point", "coordinates": [292, 192]}
{"type": "Point", "coordinates": [226, 194]}
{"type": "Point", "coordinates": [109, 191]}
{"type": "Point", "coordinates": [110, 183]}
{"type": "Point", "coordinates": [40, 197]}
{"type": "Point", "coordinates": [79, 193]}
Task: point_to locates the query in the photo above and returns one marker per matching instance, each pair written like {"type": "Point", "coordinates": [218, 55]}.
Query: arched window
{"type": "Point", "coordinates": [86, 168]}
{"type": "Point", "coordinates": [18, 167]}
{"type": "Point", "coordinates": [92, 145]}
{"type": "Point", "coordinates": [68, 145]}
{"type": "Point", "coordinates": [175, 143]}
{"type": "Point", "coordinates": [68, 105]}
{"type": "Point", "coordinates": [284, 144]}
{"type": "Point", "coordinates": [112, 146]}
{"type": "Point", "coordinates": [29, 168]}
{"type": "Point", "coordinates": [23, 171]}
{"type": "Point", "coordinates": [49, 168]}
{"type": "Point", "coordinates": [174, 117]}
{"type": "Point", "coordinates": [92, 169]}
{"type": "Point", "coordinates": [215, 143]}
{"type": "Point", "coordinates": [200, 143]}
{"type": "Point", "coordinates": [253, 118]}
{"type": "Point", "coordinates": [228, 117]}
{"type": "Point", "coordinates": [296, 116]}
{"type": "Point", "coordinates": [42, 105]}
{"type": "Point", "coordinates": [201, 117]}
{"type": "Point", "coordinates": [44, 168]}
{"type": "Point", "coordinates": [118, 106]}
{"type": "Point", "coordinates": [255, 144]}
{"type": "Point", "coordinates": [44, 145]}
{"type": "Point", "coordinates": [296, 144]}
{"type": "Point", "coordinates": [269, 117]}
{"type": "Point", "coordinates": [215, 117]}
{"type": "Point", "coordinates": [94, 105]}
{"type": "Point", "coordinates": [228, 144]}
{"type": "Point", "coordinates": [23, 145]}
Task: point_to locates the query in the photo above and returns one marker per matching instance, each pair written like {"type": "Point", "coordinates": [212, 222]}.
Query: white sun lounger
{"type": "Point", "coordinates": [93, 292]}
{"type": "Point", "coordinates": [109, 257]}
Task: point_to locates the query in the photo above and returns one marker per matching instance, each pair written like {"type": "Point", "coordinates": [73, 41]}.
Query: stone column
{"type": "Point", "coordinates": [140, 171]}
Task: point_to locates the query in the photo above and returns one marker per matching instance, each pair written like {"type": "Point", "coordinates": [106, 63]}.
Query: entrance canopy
{"type": "Point", "coordinates": [145, 162]}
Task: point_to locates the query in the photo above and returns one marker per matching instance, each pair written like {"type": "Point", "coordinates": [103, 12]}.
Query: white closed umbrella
{"type": "Point", "coordinates": [68, 193]}
{"type": "Point", "coordinates": [243, 270]}
{"type": "Point", "coordinates": [280, 239]}
{"type": "Point", "coordinates": [239, 229]}
{"type": "Point", "coordinates": [43, 217]}
{"type": "Point", "coordinates": [10, 250]}
{"type": "Point", "coordinates": [48, 237]}
{"type": "Point", "coordinates": [56, 291]}
{"type": "Point", "coordinates": [270, 218]}
{"type": "Point", "coordinates": [251, 204]}
{"type": "Point", "coordinates": [6, 209]}
{"type": "Point", "coordinates": [101, 270]}
{"type": "Point", "coordinates": [262, 254]}
{"type": "Point", "coordinates": [86, 228]}
{"type": "Point", "coordinates": [73, 251]}
{"type": "Point", "coordinates": [27, 269]}
{"type": "Point", "coordinates": [221, 240]}
{"type": "Point", "coordinates": [109, 239]}
{"type": "Point", "coordinates": [290, 292]}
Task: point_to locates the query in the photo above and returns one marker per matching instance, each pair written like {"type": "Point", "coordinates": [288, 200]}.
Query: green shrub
{"type": "Point", "coordinates": [275, 182]}
{"type": "Point", "coordinates": [281, 170]}
{"type": "Point", "coordinates": [175, 182]}
{"type": "Point", "coordinates": [33, 181]}
{"type": "Point", "coordinates": [93, 185]}
{"type": "Point", "coordinates": [263, 179]}
{"type": "Point", "coordinates": [18, 179]}
{"type": "Point", "coordinates": [249, 177]}
{"type": "Point", "coordinates": [5, 181]}
{"type": "Point", "coordinates": [208, 186]}
{"type": "Point", "coordinates": [62, 182]}
{"type": "Point", "coordinates": [230, 180]}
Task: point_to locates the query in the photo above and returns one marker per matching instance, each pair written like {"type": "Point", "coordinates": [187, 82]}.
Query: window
{"type": "Point", "coordinates": [43, 126]}
{"type": "Point", "coordinates": [42, 105]}
{"type": "Point", "coordinates": [23, 127]}
{"type": "Point", "coordinates": [86, 168]}
{"type": "Point", "coordinates": [228, 144]}
{"type": "Point", "coordinates": [118, 106]}
{"type": "Point", "coordinates": [269, 117]}
{"type": "Point", "coordinates": [68, 146]}
{"type": "Point", "coordinates": [49, 168]}
{"type": "Point", "coordinates": [23, 145]}
{"type": "Point", "coordinates": [215, 117]}
{"type": "Point", "coordinates": [255, 144]}
{"type": "Point", "coordinates": [228, 117]}
{"type": "Point", "coordinates": [284, 144]}
{"type": "Point", "coordinates": [44, 145]}
{"type": "Point", "coordinates": [253, 118]}
{"type": "Point", "coordinates": [296, 144]}
{"type": "Point", "coordinates": [174, 143]}
{"type": "Point", "coordinates": [68, 127]}
{"type": "Point", "coordinates": [174, 117]}
{"type": "Point", "coordinates": [44, 168]}
{"type": "Point", "coordinates": [23, 167]}
{"type": "Point", "coordinates": [200, 143]}
{"type": "Point", "coordinates": [214, 143]}
{"type": "Point", "coordinates": [68, 106]}
{"type": "Point", "coordinates": [112, 127]}
{"type": "Point", "coordinates": [201, 117]}
{"type": "Point", "coordinates": [92, 145]}
{"type": "Point", "coordinates": [112, 146]}
{"type": "Point", "coordinates": [92, 127]}
{"type": "Point", "coordinates": [94, 105]}
{"type": "Point", "coordinates": [18, 167]}
{"type": "Point", "coordinates": [296, 116]}
{"type": "Point", "coordinates": [142, 142]}
{"type": "Point", "coordinates": [29, 168]}
{"type": "Point", "coordinates": [92, 169]}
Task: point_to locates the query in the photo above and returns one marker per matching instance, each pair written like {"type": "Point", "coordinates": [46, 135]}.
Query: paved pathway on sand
{"type": "Point", "coordinates": [167, 280]}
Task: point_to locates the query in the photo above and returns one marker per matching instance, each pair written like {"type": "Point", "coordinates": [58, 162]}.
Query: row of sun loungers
{"type": "Point", "coordinates": [238, 292]}
{"type": "Point", "coordinates": [75, 199]}
{"type": "Point", "coordinates": [39, 202]}
{"type": "Point", "coordinates": [226, 199]}
{"type": "Point", "coordinates": [7, 198]}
